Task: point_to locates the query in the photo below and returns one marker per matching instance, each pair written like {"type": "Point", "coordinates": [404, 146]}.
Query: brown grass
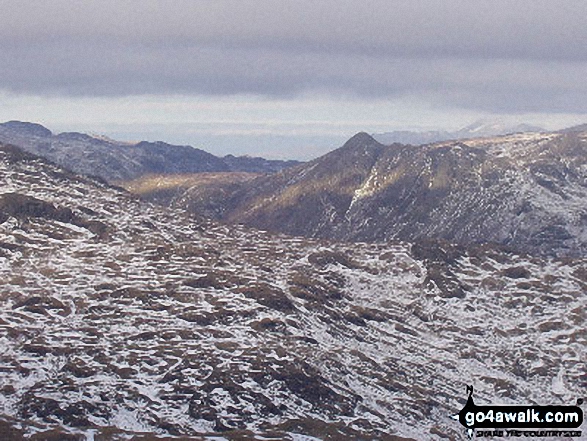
{"type": "Point", "coordinates": [150, 183]}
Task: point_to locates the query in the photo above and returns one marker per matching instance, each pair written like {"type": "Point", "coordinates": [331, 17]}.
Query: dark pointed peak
{"type": "Point", "coordinates": [360, 139]}
{"type": "Point", "coordinates": [360, 144]}
{"type": "Point", "coordinates": [27, 128]}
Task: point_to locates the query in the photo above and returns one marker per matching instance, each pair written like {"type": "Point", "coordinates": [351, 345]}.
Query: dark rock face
{"type": "Point", "coordinates": [24, 207]}
{"type": "Point", "coordinates": [15, 154]}
{"type": "Point", "coordinates": [439, 257]}
{"type": "Point", "coordinates": [269, 296]}
{"type": "Point", "coordinates": [21, 207]}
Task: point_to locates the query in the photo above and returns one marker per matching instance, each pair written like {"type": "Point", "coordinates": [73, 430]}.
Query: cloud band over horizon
{"type": "Point", "coordinates": [409, 62]}
{"type": "Point", "coordinates": [491, 55]}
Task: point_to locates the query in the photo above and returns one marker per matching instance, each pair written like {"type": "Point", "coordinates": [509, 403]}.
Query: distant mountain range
{"type": "Point", "coordinates": [117, 161]}
{"type": "Point", "coordinates": [479, 129]}
{"type": "Point", "coordinates": [526, 190]}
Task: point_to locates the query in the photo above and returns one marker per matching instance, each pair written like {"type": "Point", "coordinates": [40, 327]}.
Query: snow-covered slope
{"type": "Point", "coordinates": [480, 128]}
{"type": "Point", "coordinates": [120, 317]}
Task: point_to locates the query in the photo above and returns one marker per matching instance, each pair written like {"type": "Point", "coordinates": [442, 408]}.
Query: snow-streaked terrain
{"type": "Point", "coordinates": [120, 317]}
{"type": "Point", "coordinates": [527, 191]}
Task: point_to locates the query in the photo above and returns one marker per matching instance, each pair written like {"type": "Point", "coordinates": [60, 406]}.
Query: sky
{"type": "Point", "coordinates": [289, 78]}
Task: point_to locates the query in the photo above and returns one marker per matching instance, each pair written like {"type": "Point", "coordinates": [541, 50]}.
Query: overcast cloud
{"type": "Point", "coordinates": [495, 56]}
{"type": "Point", "coordinates": [523, 55]}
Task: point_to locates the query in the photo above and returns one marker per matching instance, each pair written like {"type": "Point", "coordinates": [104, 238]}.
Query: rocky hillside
{"type": "Point", "coordinates": [118, 162]}
{"type": "Point", "coordinates": [207, 194]}
{"type": "Point", "coordinates": [527, 191]}
{"type": "Point", "coordinates": [122, 318]}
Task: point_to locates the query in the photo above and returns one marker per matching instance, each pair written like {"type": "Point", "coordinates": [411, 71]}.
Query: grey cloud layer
{"type": "Point", "coordinates": [527, 55]}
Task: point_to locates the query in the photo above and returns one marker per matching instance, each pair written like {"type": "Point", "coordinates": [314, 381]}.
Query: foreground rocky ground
{"type": "Point", "coordinates": [123, 320]}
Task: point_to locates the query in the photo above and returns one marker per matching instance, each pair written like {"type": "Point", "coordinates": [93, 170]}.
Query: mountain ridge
{"type": "Point", "coordinates": [118, 161]}
{"type": "Point", "coordinates": [526, 190]}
